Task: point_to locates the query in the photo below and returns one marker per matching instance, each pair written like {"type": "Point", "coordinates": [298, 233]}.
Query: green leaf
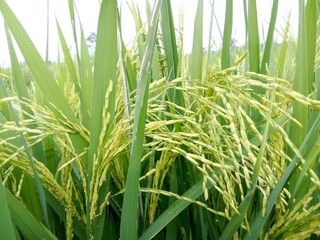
{"type": "Point", "coordinates": [170, 47]}
{"type": "Point", "coordinates": [268, 44]}
{"type": "Point", "coordinates": [300, 112]}
{"type": "Point", "coordinates": [41, 73]}
{"type": "Point", "coordinates": [68, 58]}
{"type": "Point", "coordinates": [86, 82]}
{"type": "Point", "coordinates": [311, 158]}
{"type": "Point", "coordinates": [25, 221]}
{"type": "Point", "coordinates": [20, 84]}
{"type": "Point", "coordinates": [245, 14]}
{"type": "Point", "coordinates": [225, 55]}
{"type": "Point", "coordinates": [6, 225]}
{"type": "Point", "coordinates": [71, 5]}
{"type": "Point", "coordinates": [283, 51]}
{"type": "Point", "coordinates": [174, 209]}
{"type": "Point", "coordinates": [140, 34]}
{"type": "Point", "coordinates": [105, 75]}
{"type": "Point", "coordinates": [253, 37]}
{"type": "Point", "coordinates": [196, 56]}
{"type": "Point", "coordinates": [311, 34]}
{"type": "Point", "coordinates": [129, 216]}
{"type": "Point", "coordinates": [59, 209]}
{"type": "Point", "coordinates": [169, 38]}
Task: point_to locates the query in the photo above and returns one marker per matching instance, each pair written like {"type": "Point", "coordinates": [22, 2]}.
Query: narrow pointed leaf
{"type": "Point", "coordinates": [174, 209]}
{"type": "Point", "coordinates": [105, 70]}
{"type": "Point", "coordinates": [225, 55]}
{"type": "Point", "coordinates": [253, 37]}
{"type": "Point", "coordinates": [129, 216]}
{"type": "Point", "coordinates": [68, 58]}
{"type": "Point", "coordinates": [25, 221]}
{"type": "Point", "coordinates": [6, 225]}
{"type": "Point", "coordinates": [169, 38]}
{"type": "Point", "coordinates": [41, 73]}
{"type": "Point", "coordinates": [196, 56]}
{"type": "Point", "coordinates": [270, 36]}
{"type": "Point", "coordinates": [300, 112]}
{"type": "Point", "coordinates": [86, 82]}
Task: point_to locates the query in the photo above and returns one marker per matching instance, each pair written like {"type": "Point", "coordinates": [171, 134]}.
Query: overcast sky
{"type": "Point", "coordinates": [32, 14]}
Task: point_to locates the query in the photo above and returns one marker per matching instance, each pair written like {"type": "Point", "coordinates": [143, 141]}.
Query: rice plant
{"type": "Point", "coordinates": [145, 141]}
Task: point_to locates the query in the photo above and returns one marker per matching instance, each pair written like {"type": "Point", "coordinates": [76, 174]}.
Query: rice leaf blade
{"type": "Point", "coordinates": [300, 112]}
{"type": "Point", "coordinates": [105, 74]}
{"type": "Point", "coordinates": [225, 54]}
{"type": "Point", "coordinates": [25, 221]}
{"type": "Point", "coordinates": [170, 47]}
{"type": "Point", "coordinates": [85, 81]}
{"type": "Point", "coordinates": [37, 66]}
{"type": "Point", "coordinates": [169, 38]}
{"type": "Point", "coordinates": [71, 8]}
{"type": "Point", "coordinates": [173, 210]}
{"type": "Point", "coordinates": [6, 225]}
{"type": "Point", "coordinates": [129, 216]}
{"type": "Point", "coordinates": [270, 35]}
{"type": "Point", "coordinates": [196, 55]}
{"type": "Point", "coordinates": [253, 37]}
{"type": "Point", "coordinates": [68, 58]}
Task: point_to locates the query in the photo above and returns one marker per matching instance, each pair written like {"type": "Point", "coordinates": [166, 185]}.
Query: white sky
{"type": "Point", "coordinates": [32, 14]}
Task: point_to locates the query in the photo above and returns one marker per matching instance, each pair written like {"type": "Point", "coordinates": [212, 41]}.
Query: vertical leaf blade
{"type": "Point", "coordinates": [105, 70]}
{"type": "Point", "coordinates": [267, 49]}
{"type": "Point", "coordinates": [196, 56]}
{"type": "Point", "coordinates": [300, 112]}
{"type": "Point", "coordinates": [129, 216]}
{"type": "Point", "coordinates": [253, 37]}
{"type": "Point", "coordinates": [225, 57]}
{"type": "Point", "coordinates": [169, 38]}
{"type": "Point", "coordinates": [25, 221]}
{"type": "Point", "coordinates": [86, 82]}
{"type": "Point", "coordinates": [6, 225]}
{"type": "Point", "coordinates": [68, 58]}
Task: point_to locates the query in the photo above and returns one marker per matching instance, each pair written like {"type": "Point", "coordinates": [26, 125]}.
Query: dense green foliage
{"type": "Point", "coordinates": [144, 141]}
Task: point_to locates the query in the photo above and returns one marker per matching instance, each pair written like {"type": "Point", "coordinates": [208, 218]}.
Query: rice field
{"type": "Point", "coordinates": [146, 141]}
